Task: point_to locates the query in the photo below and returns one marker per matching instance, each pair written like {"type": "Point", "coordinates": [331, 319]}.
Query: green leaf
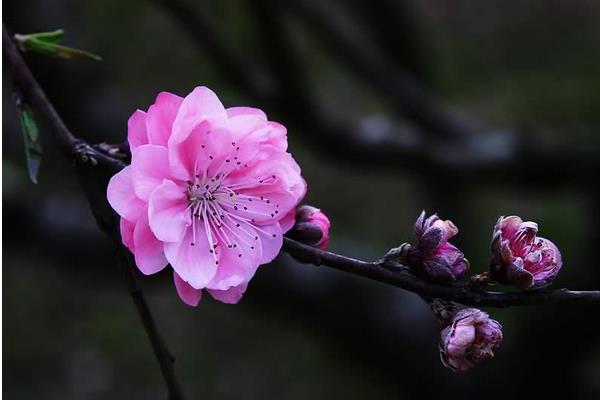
{"type": "Point", "coordinates": [48, 37]}
{"type": "Point", "coordinates": [48, 43]}
{"type": "Point", "coordinates": [31, 138]}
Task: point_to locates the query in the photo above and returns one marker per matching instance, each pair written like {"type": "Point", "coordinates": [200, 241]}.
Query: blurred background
{"type": "Point", "coordinates": [471, 109]}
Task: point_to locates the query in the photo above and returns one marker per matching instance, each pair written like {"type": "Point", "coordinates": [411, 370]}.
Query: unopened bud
{"type": "Point", "coordinates": [521, 258]}
{"type": "Point", "coordinates": [312, 227]}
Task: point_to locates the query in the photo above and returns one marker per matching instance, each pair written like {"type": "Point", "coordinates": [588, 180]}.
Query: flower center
{"type": "Point", "coordinates": [225, 214]}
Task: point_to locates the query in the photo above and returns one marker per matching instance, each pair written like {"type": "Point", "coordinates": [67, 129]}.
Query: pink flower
{"type": "Point", "coordinates": [312, 227]}
{"type": "Point", "coordinates": [207, 191]}
{"type": "Point", "coordinates": [471, 336]}
{"type": "Point", "coordinates": [434, 258]}
{"type": "Point", "coordinates": [519, 257]}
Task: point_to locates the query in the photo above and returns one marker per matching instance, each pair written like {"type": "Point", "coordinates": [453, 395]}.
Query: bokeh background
{"type": "Point", "coordinates": [70, 329]}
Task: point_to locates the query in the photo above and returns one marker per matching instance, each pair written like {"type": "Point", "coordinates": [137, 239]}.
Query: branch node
{"type": "Point", "coordinates": [84, 153]}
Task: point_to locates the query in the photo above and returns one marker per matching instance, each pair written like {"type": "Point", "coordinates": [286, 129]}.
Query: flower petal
{"type": "Point", "coordinates": [199, 106]}
{"type": "Point", "coordinates": [233, 112]}
{"type": "Point", "coordinates": [121, 196]}
{"type": "Point", "coordinates": [149, 255]}
{"type": "Point", "coordinates": [271, 238]}
{"type": "Point", "coordinates": [230, 296]}
{"type": "Point", "coordinates": [168, 212]}
{"type": "Point", "coordinates": [150, 165]}
{"type": "Point", "coordinates": [193, 155]}
{"type": "Point", "coordinates": [160, 117]}
{"type": "Point", "coordinates": [288, 221]}
{"type": "Point", "coordinates": [191, 258]}
{"type": "Point", "coordinates": [127, 228]}
{"type": "Point", "coordinates": [187, 294]}
{"type": "Point", "coordinates": [136, 130]}
{"type": "Point", "coordinates": [239, 257]}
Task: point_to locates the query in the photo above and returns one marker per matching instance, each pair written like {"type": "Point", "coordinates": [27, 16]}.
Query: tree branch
{"type": "Point", "coordinates": [94, 169]}
{"type": "Point", "coordinates": [395, 275]}
{"type": "Point", "coordinates": [34, 95]}
{"type": "Point", "coordinates": [165, 359]}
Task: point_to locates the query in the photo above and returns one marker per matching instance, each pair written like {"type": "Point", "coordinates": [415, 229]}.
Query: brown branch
{"type": "Point", "coordinates": [34, 95]}
{"type": "Point", "coordinates": [94, 169]}
{"type": "Point", "coordinates": [395, 275]}
{"type": "Point", "coordinates": [164, 357]}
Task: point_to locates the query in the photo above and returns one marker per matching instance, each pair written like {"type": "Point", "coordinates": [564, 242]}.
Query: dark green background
{"type": "Point", "coordinates": [70, 329]}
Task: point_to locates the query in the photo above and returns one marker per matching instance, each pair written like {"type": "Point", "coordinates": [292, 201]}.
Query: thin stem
{"type": "Point", "coordinates": [396, 276]}
{"type": "Point", "coordinates": [164, 357]}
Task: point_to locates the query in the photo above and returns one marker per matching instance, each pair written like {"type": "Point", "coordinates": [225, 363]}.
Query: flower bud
{"type": "Point", "coordinates": [521, 258]}
{"type": "Point", "coordinates": [470, 337]}
{"type": "Point", "coordinates": [434, 258]}
{"type": "Point", "coordinates": [312, 227]}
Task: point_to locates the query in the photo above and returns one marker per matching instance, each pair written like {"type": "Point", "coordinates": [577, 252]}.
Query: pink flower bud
{"type": "Point", "coordinates": [434, 258]}
{"type": "Point", "coordinates": [312, 227]}
{"type": "Point", "coordinates": [521, 258]}
{"type": "Point", "coordinates": [471, 336]}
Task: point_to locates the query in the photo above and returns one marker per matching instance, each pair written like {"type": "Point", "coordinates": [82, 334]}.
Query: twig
{"type": "Point", "coordinates": [34, 94]}
{"type": "Point", "coordinates": [164, 357]}
{"type": "Point", "coordinates": [394, 275]}
{"type": "Point", "coordinates": [94, 167]}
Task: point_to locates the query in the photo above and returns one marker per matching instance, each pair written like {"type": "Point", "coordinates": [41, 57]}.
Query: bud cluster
{"type": "Point", "coordinates": [519, 258]}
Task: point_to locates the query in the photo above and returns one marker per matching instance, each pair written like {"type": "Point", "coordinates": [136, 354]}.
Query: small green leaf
{"type": "Point", "coordinates": [31, 138]}
{"type": "Point", "coordinates": [48, 43]}
{"type": "Point", "coordinates": [48, 37]}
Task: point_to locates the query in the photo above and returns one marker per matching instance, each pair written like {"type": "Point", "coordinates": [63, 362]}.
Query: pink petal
{"type": "Point", "coordinates": [127, 228]}
{"type": "Point", "coordinates": [193, 262]}
{"type": "Point", "coordinates": [245, 121]}
{"type": "Point", "coordinates": [266, 208]}
{"type": "Point", "coordinates": [244, 124]}
{"type": "Point", "coordinates": [121, 196]}
{"type": "Point", "coordinates": [239, 260]}
{"type": "Point", "coordinates": [150, 165]}
{"type": "Point", "coordinates": [230, 296]}
{"type": "Point", "coordinates": [160, 117]}
{"type": "Point", "coordinates": [168, 212]}
{"type": "Point", "coordinates": [199, 106]}
{"type": "Point", "coordinates": [149, 255]}
{"type": "Point", "coordinates": [279, 194]}
{"type": "Point", "coordinates": [236, 111]}
{"type": "Point", "coordinates": [187, 294]}
{"type": "Point", "coordinates": [462, 337]}
{"type": "Point", "coordinates": [277, 136]}
{"type": "Point", "coordinates": [288, 221]}
{"type": "Point", "coordinates": [271, 238]}
{"type": "Point", "coordinates": [136, 130]}
{"type": "Point", "coordinates": [193, 154]}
